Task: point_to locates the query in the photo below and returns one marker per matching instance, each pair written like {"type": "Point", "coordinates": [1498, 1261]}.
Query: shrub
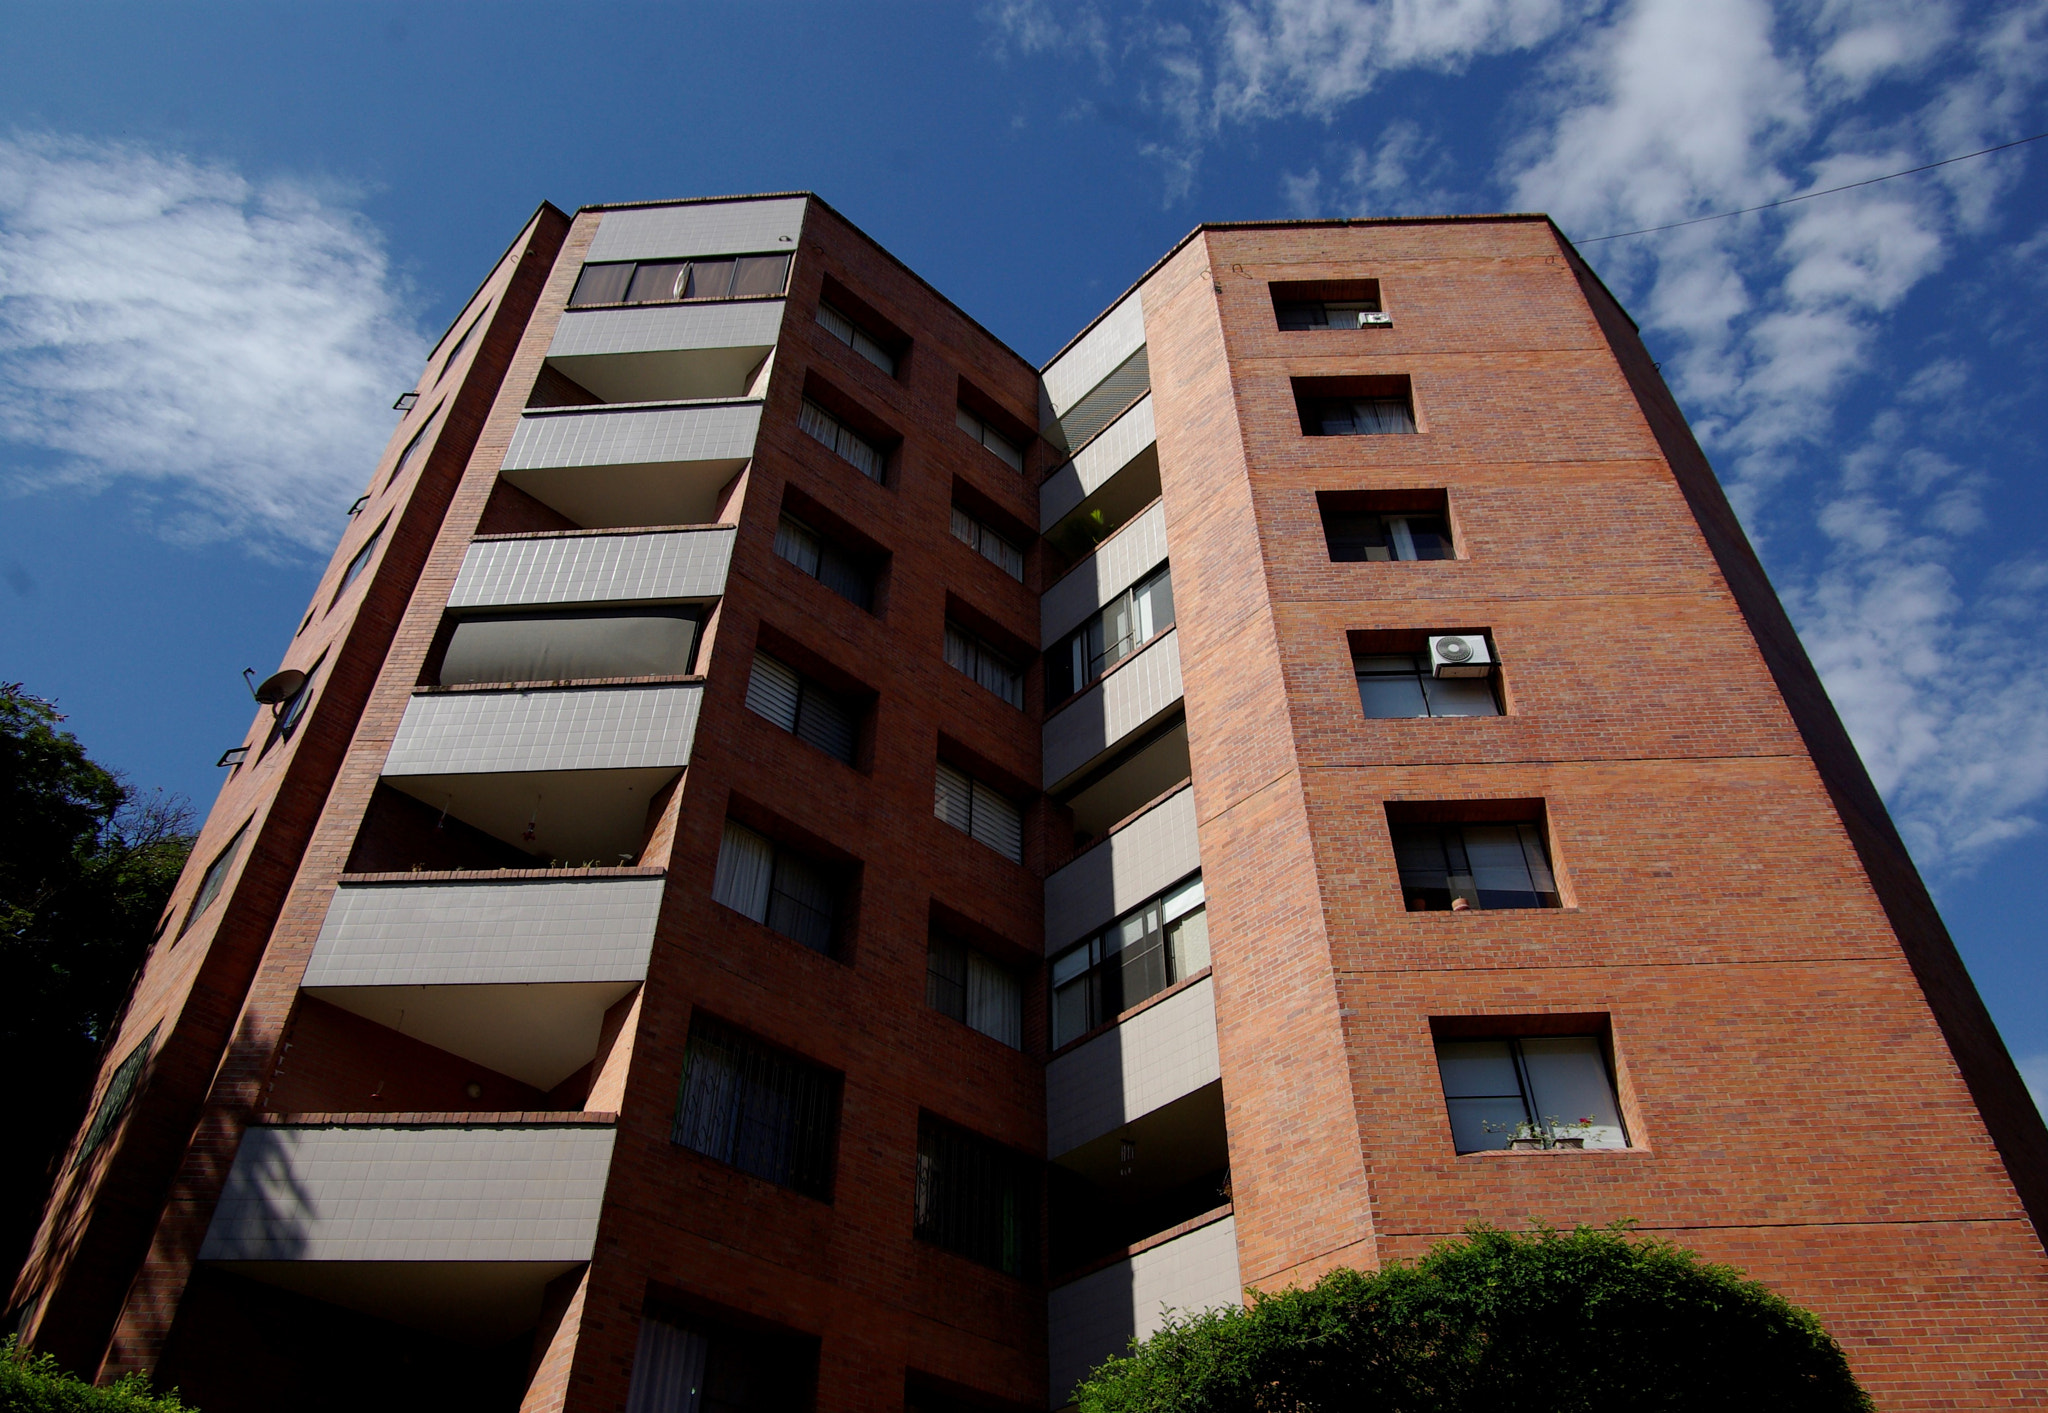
{"type": "Point", "coordinates": [37, 1385]}
{"type": "Point", "coordinates": [1496, 1323]}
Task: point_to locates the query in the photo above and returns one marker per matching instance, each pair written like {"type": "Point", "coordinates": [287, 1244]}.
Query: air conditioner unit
{"type": "Point", "coordinates": [1375, 320]}
{"type": "Point", "coordinates": [1459, 655]}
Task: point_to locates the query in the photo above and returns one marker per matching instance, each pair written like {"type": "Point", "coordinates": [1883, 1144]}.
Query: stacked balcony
{"type": "Point", "coordinates": [1140, 1214]}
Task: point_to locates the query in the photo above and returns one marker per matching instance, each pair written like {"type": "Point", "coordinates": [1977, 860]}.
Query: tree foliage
{"type": "Point", "coordinates": [86, 864]}
{"type": "Point", "coordinates": [1499, 1322]}
{"type": "Point", "coordinates": [39, 1386]}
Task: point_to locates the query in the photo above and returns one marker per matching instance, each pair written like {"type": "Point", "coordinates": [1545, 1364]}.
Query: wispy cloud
{"type": "Point", "coordinates": [222, 350]}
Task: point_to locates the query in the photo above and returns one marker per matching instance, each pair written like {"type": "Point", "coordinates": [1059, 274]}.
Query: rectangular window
{"type": "Point", "coordinates": [1459, 866]}
{"type": "Point", "coordinates": [1131, 620]}
{"type": "Point", "coordinates": [984, 664]}
{"type": "Point", "coordinates": [1356, 536]}
{"type": "Point", "coordinates": [777, 887]}
{"type": "Point", "coordinates": [980, 812]}
{"type": "Point", "coordinates": [1011, 454]}
{"type": "Point", "coordinates": [1537, 1089]}
{"type": "Point", "coordinates": [1158, 943]}
{"type": "Point", "coordinates": [856, 338]}
{"type": "Point", "coordinates": [691, 1365]}
{"type": "Point", "coordinates": [845, 574]}
{"type": "Point", "coordinates": [975, 1197]}
{"type": "Point", "coordinates": [1356, 416]}
{"type": "Point", "coordinates": [357, 565]}
{"type": "Point", "coordinates": [216, 876]}
{"type": "Point", "coordinates": [801, 707]}
{"type": "Point", "coordinates": [974, 990]}
{"type": "Point", "coordinates": [757, 1108]}
{"type": "Point", "coordinates": [120, 1089]}
{"type": "Point", "coordinates": [1328, 314]}
{"type": "Point", "coordinates": [850, 446]}
{"type": "Point", "coordinates": [1400, 684]}
{"type": "Point", "coordinates": [670, 281]}
{"type": "Point", "coordinates": [988, 544]}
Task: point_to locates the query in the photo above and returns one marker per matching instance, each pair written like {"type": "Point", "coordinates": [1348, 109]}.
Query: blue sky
{"type": "Point", "coordinates": [229, 232]}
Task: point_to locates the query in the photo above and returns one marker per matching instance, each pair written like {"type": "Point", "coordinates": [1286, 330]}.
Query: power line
{"type": "Point", "coordinates": [1872, 181]}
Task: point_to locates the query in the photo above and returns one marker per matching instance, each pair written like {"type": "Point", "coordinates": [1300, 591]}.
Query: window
{"type": "Point", "coordinates": [295, 708]}
{"type": "Point", "coordinates": [1356, 416]}
{"type": "Point", "coordinates": [215, 877]}
{"type": "Point", "coordinates": [461, 343]}
{"type": "Point", "coordinates": [980, 993]}
{"type": "Point", "coordinates": [984, 664]}
{"type": "Point", "coordinates": [1011, 454]}
{"type": "Point", "coordinates": [1148, 949]}
{"type": "Point", "coordinates": [1545, 1087]}
{"type": "Point", "coordinates": [667, 281]}
{"type": "Point", "coordinates": [120, 1089]}
{"type": "Point", "coordinates": [1132, 619]}
{"type": "Point", "coordinates": [856, 338]}
{"type": "Point", "coordinates": [795, 896]}
{"type": "Point", "coordinates": [757, 1108]}
{"type": "Point", "coordinates": [412, 448]}
{"type": "Point", "coordinates": [1461, 866]}
{"type": "Point", "coordinates": [1327, 314]}
{"type": "Point", "coordinates": [988, 544]}
{"type": "Point", "coordinates": [975, 1197]}
{"type": "Point", "coordinates": [1360, 535]}
{"type": "Point", "coordinates": [1400, 684]}
{"type": "Point", "coordinates": [691, 1365]}
{"type": "Point", "coordinates": [842, 439]}
{"type": "Point", "coordinates": [800, 706]}
{"type": "Point", "coordinates": [357, 565]}
{"type": "Point", "coordinates": [841, 572]}
{"type": "Point", "coordinates": [979, 812]}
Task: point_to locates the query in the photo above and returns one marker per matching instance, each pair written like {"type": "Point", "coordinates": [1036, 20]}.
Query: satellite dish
{"type": "Point", "coordinates": [278, 686]}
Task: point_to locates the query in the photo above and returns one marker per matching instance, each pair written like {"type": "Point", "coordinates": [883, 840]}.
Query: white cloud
{"type": "Point", "coordinates": [225, 349]}
{"type": "Point", "coordinates": [1401, 174]}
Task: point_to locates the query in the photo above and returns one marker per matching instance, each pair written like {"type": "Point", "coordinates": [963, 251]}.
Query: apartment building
{"type": "Point", "coordinates": [807, 864]}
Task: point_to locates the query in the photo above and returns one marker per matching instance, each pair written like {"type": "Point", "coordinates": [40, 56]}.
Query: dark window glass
{"type": "Point", "coordinates": [757, 1108]}
{"type": "Point", "coordinates": [295, 709]}
{"type": "Point", "coordinates": [975, 990]}
{"type": "Point", "coordinates": [216, 875]}
{"type": "Point", "coordinates": [1132, 619]}
{"type": "Point", "coordinates": [987, 665]}
{"type": "Point", "coordinates": [772, 885]}
{"type": "Point", "coordinates": [657, 282]}
{"type": "Point", "coordinates": [359, 563]}
{"type": "Point", "coordinates": [975, 1197]}
{"type": "Point", "coordinates": [462, 343]}
{"type": "Point", "coordinates": [120, 1089]}
{"type": "Point", "coordinates": [709, 279]}
{"type": "Point", "coordinates": [1535, 1089]}
{"type": "Point", "coordinates": [845, 574]}
{"type": "Point", "coordinates": [1369, 535]}
{"type": "Point", "coordinates": [1449, 866]}
{"type": "Point", "coordinates": [1356, 416]}
{"type": "Point", "coordinates": [1160, 942]}
{"type": "Point", "coordinates": [1325, 314]}
{"type": "Point", "coordinates": [601, 284]}
{"type": "Point", "coordinates": [1401, 685]}
{"type": "Point", "coordinates": [760, 274]}
{"type": "Point", "coordinates": [699, 1367]}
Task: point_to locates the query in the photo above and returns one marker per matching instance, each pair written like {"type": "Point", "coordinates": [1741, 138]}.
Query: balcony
{"type": "Point", "coordinates": [561, 569]}
{"type": "Point", "coordinates": [455, 1228]}
{"type": "Point", "coordinates": [1088, 1320]}
{"type": "Point", "coordinates": [565, 773]}
{"type": "Point", "coordinates": [1157, 848]}
{"type": "Point", "coordinates": [633, 465]}
{"type": "Point", "coordinates": [1164, 1053]}
{"type": "Point", "coordinates": [1137, 693]}
{"type": "Point", "coordinates": [659, 353]}
{"type": "Point", "coordinates": [512, 974]}
{"type": "Point", "coordinates": [1119, 562]}
{"type": "Point", "coordinates": [1095, 479]}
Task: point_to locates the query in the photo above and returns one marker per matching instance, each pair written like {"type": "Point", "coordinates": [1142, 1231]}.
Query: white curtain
{"type": "Point", "coordinates": [668, 1369]}
{"type": "Point", "coordinates": [746, 863]}
{"type": "Point", "coordinates": [995, 1002]}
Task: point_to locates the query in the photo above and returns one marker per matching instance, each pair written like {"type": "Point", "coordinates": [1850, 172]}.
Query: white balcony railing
{"type": "Point", "coordinates": [1134, 695]}
{"type": "Point", "coordinates": [546, 570]}
{"type": "Point", "coordinates": [1117, 564]}
{"type": "Point", "coordinates": [546, 729]}
{"type": "Point", "coordinates": [1157, 848]}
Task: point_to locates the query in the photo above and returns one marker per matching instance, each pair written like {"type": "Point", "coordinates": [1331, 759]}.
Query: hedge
{"type": "Point", "coordinates": [37, 1385]}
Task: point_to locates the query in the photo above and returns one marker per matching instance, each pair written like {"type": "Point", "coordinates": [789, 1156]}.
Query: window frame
{"type": "Point", "coordinates": [827, 875]}
{"type": "Point", "coordinates": [684, 276]}
{"type": "Point", "coordinates": [1014, 1251]}
{"type": "Point", "coordinates": [974, 647]}
{"type": "Point", "coordinates": [1075, 653]}
{"type": "Point", "coordinates": [811, 1159]}
{"type": "Point", "coordinates": [942, 946]}
{"type": "Point", "coordinates": [118, 1097]}
{"type": "Point", "coordinates": [213, 882]}
{"type": "Point", "coordinates": [978, 537]}
{"type": "Point", "coordinates": [1099, 959]}
{"type": "Point", "coordinates": [826, 708]}
{"type": "Point", "coordinates": [813, 416]}
{"type": "Point", "coordinates": [1530, 827]}
{"type": "Point", "coordinates": [1419, 670]}
{"type": "Point", "coordinates": [1477, 1030]}
{"type": "Point", "coordinates": [848, 567]}
{"type": "Point", "coordinates": [981, 801]}
{"type": "Point", "coordinates": [991, 438]}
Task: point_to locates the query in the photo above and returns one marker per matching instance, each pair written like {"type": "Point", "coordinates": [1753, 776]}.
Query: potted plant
{"type": "Point", "coordinates": [1533, 1136]}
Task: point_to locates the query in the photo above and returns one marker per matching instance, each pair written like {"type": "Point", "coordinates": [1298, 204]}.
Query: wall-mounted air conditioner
{"type": "Point", "coordinates": [1375, 320]}
{"type": "Point", "coordinates": [1459, 655]}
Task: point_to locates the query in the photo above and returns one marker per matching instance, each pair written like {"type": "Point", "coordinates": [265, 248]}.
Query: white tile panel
{"type": "Point", "coordinates": [412, 1194]}
{"type": "Point", "coordinates": [1110, 452]}
{"type": "Point", "coordinates": [581, 569]}
{"type": "Point", "coordinates": [1117, 563]}
{"type": "Point", "coordinates": [700, 228]}
{"type": "Point", "coordinates": [1157, 848]}
{"type": "Point", "coordinates": [634, 436]}
{"type": "Point", "coordinates": [1098, 1315]}
{"type": "Point", "coordinates": [1135, 693]}
{"type": "Point", "coordinates": [1162, 1053]}
{"type": "Point", "coordinates": [554, 728]}
{"type": "Point", "coordinates": [453, 933]}
{"type": "Point", "coordinates": [1100, 352]}
{"type": "Point", "coordinates": [663, 328]}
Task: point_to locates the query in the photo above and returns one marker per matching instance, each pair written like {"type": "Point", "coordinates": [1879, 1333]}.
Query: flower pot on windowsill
{"type": "Point", "coordinates": [1537, 1145]}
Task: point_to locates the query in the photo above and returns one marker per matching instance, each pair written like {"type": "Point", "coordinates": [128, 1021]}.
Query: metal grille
{"type": "Point", "coordinates": [761, 1110]}
{"type": "Point", "coordinates": [975, 1197]}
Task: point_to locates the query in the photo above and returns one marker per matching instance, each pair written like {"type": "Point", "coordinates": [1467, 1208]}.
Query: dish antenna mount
{"type": "Point", "coordinates": [276, 689]}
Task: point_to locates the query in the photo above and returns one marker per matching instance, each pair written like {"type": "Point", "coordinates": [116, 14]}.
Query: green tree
{"type": "Point", "coordinates": [86, 864]}
{"type": "Point", "coordinates": [37, 1385]}
{"type": "Point", "coordinates": [1496, 1323]}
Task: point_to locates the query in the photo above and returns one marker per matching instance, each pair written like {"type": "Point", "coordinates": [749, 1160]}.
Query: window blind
{"type": "Point", "coordinates": [980, 812]}
{"type": "Point", "coordinates": [798, 705]}
{"type": "Point", "coordinates": [848, 444]}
